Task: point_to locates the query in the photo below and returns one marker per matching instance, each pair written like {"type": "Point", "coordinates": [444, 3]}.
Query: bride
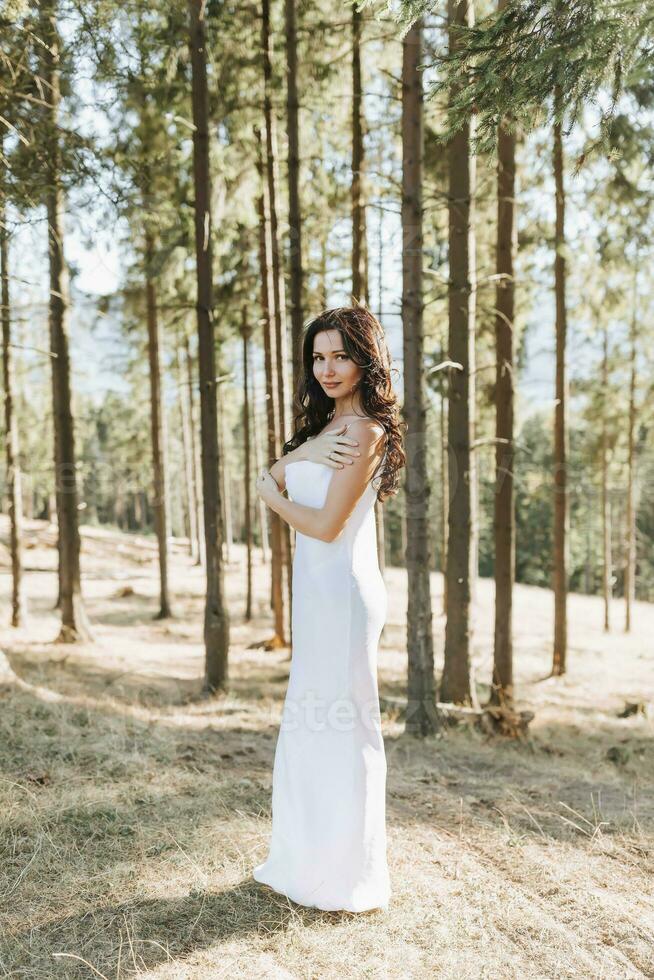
{"type": "Point", "coordinates": [328, 842]}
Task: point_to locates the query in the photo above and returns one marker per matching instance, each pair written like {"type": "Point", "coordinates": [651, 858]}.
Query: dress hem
{"type": "Point", "coordinates": [382, 906]}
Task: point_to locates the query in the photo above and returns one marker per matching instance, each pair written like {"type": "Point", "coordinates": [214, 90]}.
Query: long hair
{"type": "Point", "coordinates": [365, 343]}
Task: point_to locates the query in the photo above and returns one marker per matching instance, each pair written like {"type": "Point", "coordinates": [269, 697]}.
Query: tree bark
{"type": "Point", "coordinates": [226, 495]}
{"type": "Point", "coordinates": [197, 466]}
{"type": "Point", "coordinates": [630, 517]}
{"type": "Point", "coordinates": [445, 495]}
{"type": "Point", "coordinates": [157, 430]}
{"type": "Point", "coordinates": [560, 583]}
{"type": "Point", "coordinates": [379, 508]}
{"type": "Point", "coordinates": [359, 263]}
{"type": "Point", "coordinates": [187, 452]}
{"type": "Point", "coordinates": [272, 406]}
{"type": "Point", "coordinates": [461, 552]}
{"type": "Point", "coordinates": [245, 334]}
{"type": "Point", "coordinates": [74, 622]}
{"type": "Point", "coordinates": [421, 718]}
{"type": "Point", "coordinates": [12, 456]}
{"type": "Point", "coordinates": [263, 519]}
{"type": "Point", "coordinates": [607, 561]}
{"type": "Point", "coordinates": [216, 615]}
{"type": "Point", "coordinates": [504, 515]}
{"type": "Point", "coordinates": [279, 295]}
{"type": "Point", "coordinates": [294, 210]}
{"type": "Point", "coordinates": [324, 256]}
{"type": "Point", "coordinates": [279, 311]}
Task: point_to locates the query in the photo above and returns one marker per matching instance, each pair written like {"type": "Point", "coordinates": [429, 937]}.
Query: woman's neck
{"type": "Point", "coordinates": [348, 406]}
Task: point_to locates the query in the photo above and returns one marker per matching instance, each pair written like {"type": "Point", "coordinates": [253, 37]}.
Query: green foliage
{"type": "Point", "coordinates": [515, 59]}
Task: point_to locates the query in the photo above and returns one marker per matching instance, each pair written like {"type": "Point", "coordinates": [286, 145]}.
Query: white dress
{"type": "Point", "coordinates": [328, 843]}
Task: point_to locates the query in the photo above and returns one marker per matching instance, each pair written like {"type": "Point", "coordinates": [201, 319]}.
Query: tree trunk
{"type": "Point", "coordinates": [379, 508]}
{"type": "Point", "coordinates": [263, 519]}
{"type": "Point", "coordinates": [138, 510]}
{"type": "Point", "coordinates": [472, 364]}
{"type": "Point", "coordinates": [278, 278]}
{"type": "Point", "coordinates": [245, 334]}
{"type": "Point", "coordinates": [560, 583]}
{"type": "Point", "coordinates": [445, 496]}
{"type": "Point", "coordinates": [157, 431]}
{"type": "Point", "coordinates": [421, 717]}
{"type": "Point", "coordinates": [504, 529]}
{"type": "Point", "coordinates": [197, 469]}
{"type": "Point", "coordinates": [226, 496]}
{"type": "Point", "coordinates": [294, 212]}
{"type": "Point", "coordinates": [186, 504]}
{"type": "Point", "coordinates": [324, 290]}
{"type": "Point", "coordinates": [74, 621]}
{"type": "Point", "coordinates": [630, 564]}
{"type": "Point", "coordinates": [12, 456]}
{"type": "Point", "coordinates": [617, 520]}
{"type": "Point", "coordinates": [187, 452]}
{"type": "Point", "coordinates": [272, 406]}
{"type": "Point", "coordinates": [607, 561]}
{"type": "Point", "coordinates": [588, 561]}
{"type": "Point", "coordinates": [455, 684]}
{"type": "Point", "coordinates": [359, 264]}
{"type": "Point", "coordinates": [216, 615]}
{"type": "Point", "coordinates": [380, 258]}
{"type": "Point", "coordinates": [360, 285]}
{"type": "Point", "coordinates": [279, 311]}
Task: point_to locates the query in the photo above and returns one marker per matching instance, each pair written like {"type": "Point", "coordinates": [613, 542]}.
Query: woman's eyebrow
{"type": "Point", "coordinates": [338, 351]}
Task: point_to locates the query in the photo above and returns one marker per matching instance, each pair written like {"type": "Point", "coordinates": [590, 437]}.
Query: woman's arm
{"type": "Point", "coordinates": [332, 447]}
{"type": "Point", "coordinates": [278, 467]}
{"type": "Point", "coordinates": [345, 489]}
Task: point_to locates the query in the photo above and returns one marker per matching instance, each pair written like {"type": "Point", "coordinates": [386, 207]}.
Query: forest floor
{"type": "Point", "coordinates": [132, 811]}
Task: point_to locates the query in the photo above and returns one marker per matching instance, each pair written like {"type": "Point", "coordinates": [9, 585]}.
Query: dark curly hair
{"type": "Point", "coordinates": [365, 343]}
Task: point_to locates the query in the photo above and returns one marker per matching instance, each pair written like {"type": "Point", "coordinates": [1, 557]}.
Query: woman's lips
{"type": "Point", "coordinates": [332, 384]}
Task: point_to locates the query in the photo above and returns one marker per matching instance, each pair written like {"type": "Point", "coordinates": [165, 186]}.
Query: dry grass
{"type": "Point", "coordinates": [132, 811]}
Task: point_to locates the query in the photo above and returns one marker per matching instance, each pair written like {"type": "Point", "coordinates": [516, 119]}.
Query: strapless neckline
{"type": "Point", "coordinates": [314, 462]}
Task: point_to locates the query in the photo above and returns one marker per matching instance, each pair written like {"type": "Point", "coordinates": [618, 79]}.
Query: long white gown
{"type": "Point", "coordinates": [328, 843]}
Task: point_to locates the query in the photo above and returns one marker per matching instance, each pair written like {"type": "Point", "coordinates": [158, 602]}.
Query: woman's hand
{"type": "Point", "coordinates": [332, 448]}
{"type": "Point", "coordinates": [267, 487]}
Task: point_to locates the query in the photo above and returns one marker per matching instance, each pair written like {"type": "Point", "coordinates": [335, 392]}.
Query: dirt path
{"type": "Point", "coordinates": [132, 811]}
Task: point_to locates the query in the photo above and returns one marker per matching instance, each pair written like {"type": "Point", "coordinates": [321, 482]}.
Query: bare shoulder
{"type": "Point", "coordinates": [369, 429]}
{"type": "Point", "coordinates": [371, 436]}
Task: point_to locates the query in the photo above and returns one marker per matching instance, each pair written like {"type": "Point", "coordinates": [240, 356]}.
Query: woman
{"type": "Point", "coordinates": [328, 844]}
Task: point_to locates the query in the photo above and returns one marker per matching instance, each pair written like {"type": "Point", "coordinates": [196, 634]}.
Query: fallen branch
{"type": "Point", "coordinates": [492, 719]}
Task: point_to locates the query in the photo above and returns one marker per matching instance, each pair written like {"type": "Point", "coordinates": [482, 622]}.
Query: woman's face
{"type": "Point", "coordinates": [332, 366]}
